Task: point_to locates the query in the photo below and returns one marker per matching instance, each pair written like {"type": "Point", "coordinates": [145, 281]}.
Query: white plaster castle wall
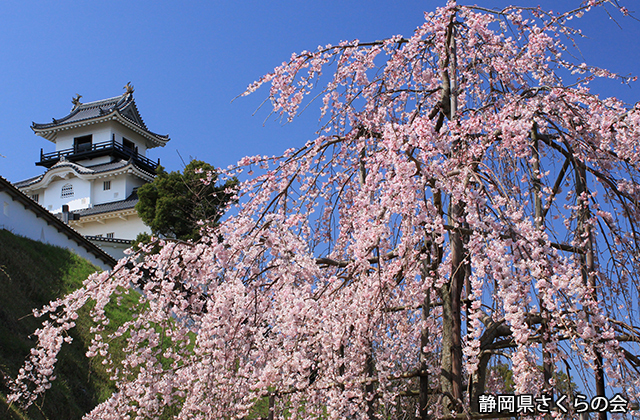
{"type": "Point", "coordinates": [81, 199]}
{"type": "Point", "coordinates": [20, 221]}
{"type": "Point", "coordinates": [43, 197]}
{"type": "Point", "coordinates": [116, 250]}
{"type": "Point", "coordinates": [121, 131]}
{"type": "Point", "coordinates": [95, 161]}
{"type": "Point", "coordinates": [131, 183]}
{"type": "Point", "coordinates": [40, 192]}
{"type": "Point", "coordinates": [100, 133]}
{"type": "Point", "coordinates": [121, 229]}
{"type": "Point", "coordinates": [116, 193]}
{"type": "Point", "coordinates": [64, 141]}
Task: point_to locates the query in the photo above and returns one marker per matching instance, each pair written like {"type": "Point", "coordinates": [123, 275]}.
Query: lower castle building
{"type": "Point", "coordinates": [91, 178]}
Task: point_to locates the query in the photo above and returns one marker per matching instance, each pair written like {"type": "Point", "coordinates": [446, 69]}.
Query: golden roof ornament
{"type": "Point", "coordinates": [76, 101]}
{"type": "Point", "coordinates": [129, 88]}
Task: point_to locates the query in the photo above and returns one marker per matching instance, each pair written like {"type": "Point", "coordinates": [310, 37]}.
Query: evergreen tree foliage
{"type": "Point", "coordinates": [174, 203]}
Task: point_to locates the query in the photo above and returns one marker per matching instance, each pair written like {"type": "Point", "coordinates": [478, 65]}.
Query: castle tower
{"type": "Point", "coordinates": [99, 162]}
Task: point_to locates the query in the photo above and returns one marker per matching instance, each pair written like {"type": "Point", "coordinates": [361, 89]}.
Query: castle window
{"type": "Point", "coordinates": [110, 235]}
{"type": "Point", "coordinates": [67, 191]}
{"type": "Point", "coordinates": [80, 144]}
{"type": "Point", "coordinates": [35, 197]}
{"type": "Point", "coordinates": [106, 185]}
{"type": "Point", "coordinates": [129, 146]}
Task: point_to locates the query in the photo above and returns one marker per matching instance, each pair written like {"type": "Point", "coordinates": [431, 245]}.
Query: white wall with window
{"type": "Point", "coordinates": [75, 192]}
{"type": "Point", "coordinates": [38, 195]}
{"type": "Point", "coordinates": [120, 228]}
{"type": "Point", "coordinates": [116, 190]}
{"type": "Point", "coordinates": [98, 133]}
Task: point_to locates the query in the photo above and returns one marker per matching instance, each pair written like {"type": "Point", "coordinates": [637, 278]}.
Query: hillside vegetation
{"type": "Point", "coordinates": [31, 275]}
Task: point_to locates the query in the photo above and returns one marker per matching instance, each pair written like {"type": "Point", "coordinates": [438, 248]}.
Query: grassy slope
{"type": "Point", "coordinates": [31, 275]}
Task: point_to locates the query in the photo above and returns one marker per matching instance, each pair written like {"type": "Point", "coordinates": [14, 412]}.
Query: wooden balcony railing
{"type": "Point", "coordinates": [86, 151]}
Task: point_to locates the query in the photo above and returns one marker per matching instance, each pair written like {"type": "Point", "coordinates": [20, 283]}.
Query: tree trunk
{"type": "Point", "coordinates": [369, 387]}
{"type": "Point", "coordinates": [272, 407]}
{"type": "Point", "coordinates": [451, 359]}
{"type": "Point", "coordinates": [424, 391]}
{"type": "Point", "coordinates": [478, 381]}
{"type": "Point", "coordinates": [587, 262]}
{"type": "Point", "coordinates": [548, 367]}
{"type": "Point", "coordinates": [451, 292]}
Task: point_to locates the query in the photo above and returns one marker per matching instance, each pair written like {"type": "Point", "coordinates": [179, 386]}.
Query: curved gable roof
{"type": "Point", "coordinates": [121, 108]}
{"type": "Point", "coordinates": [63, 167]}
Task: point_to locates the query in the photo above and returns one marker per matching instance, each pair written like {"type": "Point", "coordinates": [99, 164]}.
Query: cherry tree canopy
{"type": "Point", "coordinates": [468, 202]}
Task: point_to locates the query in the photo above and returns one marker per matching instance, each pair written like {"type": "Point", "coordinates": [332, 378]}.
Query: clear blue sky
{"type": "Point", "coordinates": [189, 59]}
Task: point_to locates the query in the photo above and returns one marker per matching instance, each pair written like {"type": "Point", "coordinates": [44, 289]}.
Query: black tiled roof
{"type": "Point", "coordinates": [87, 111]}
{"type": "Point", "coordinates": [123, 105]}
{"type": "Point", "coordinates": [26, 182]}
{"type": "Point", "coordinates": [127, 203]}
